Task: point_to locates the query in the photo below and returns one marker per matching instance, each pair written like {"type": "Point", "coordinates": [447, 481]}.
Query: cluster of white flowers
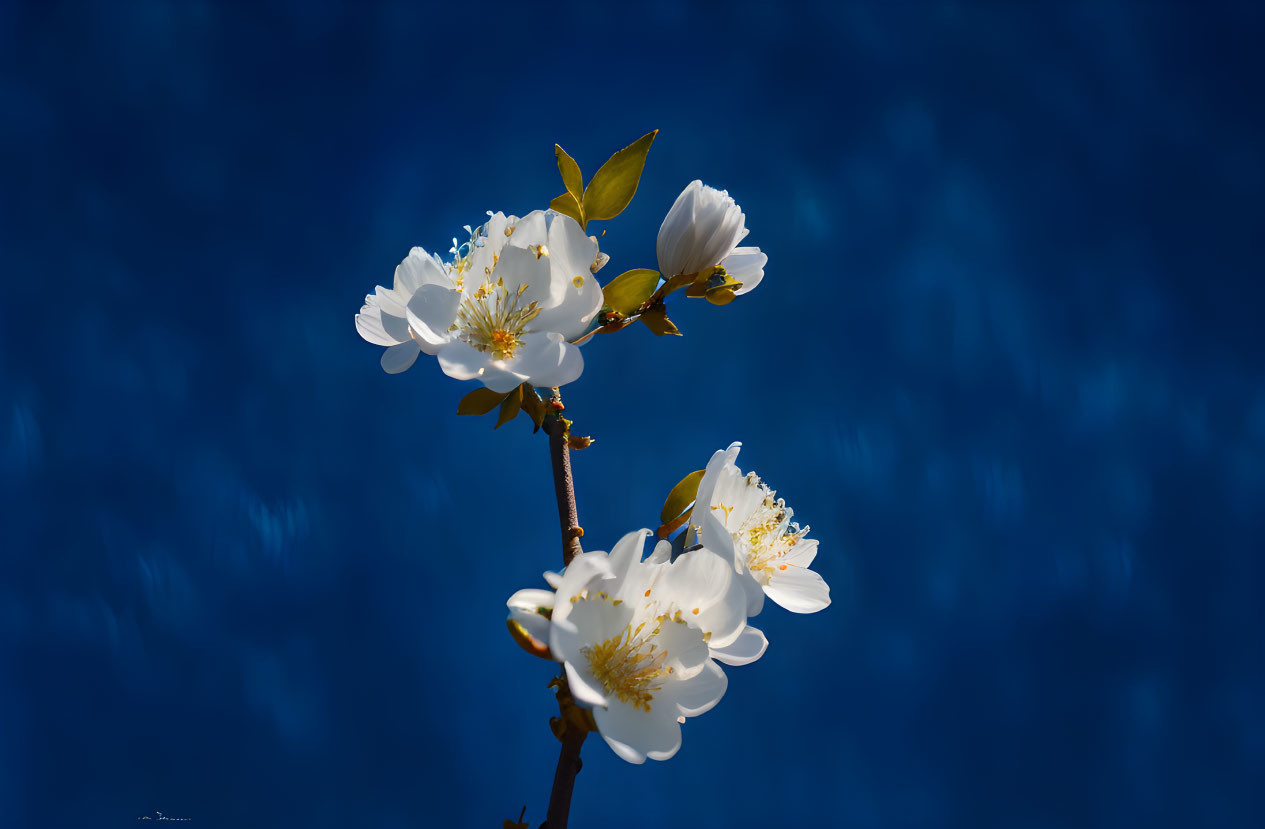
{"type": "Point", "coordinates": [509, 305]}
{"type": "Point", "coordinates": [640, 638]}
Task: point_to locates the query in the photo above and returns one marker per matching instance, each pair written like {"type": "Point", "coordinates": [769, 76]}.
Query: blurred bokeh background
{"type": "Point", "coordinates": [1006, 361]}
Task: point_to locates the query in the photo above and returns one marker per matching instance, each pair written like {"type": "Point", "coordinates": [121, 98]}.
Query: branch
{"type": "Point", "coordinates": [571, 727]}
{"type": "Point", "coordinates": [564, 487]}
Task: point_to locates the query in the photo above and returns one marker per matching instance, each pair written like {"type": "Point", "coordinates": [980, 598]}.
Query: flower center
{"type": "Point", "coordinates": [768, 534]}
{"type": "Point", "coordinates": [629, 665]}
{"type": "Point", "coordinates": [493, 319]}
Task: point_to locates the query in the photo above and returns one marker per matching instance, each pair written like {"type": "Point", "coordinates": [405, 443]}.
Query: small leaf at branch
{"type": "Point", "coordinates": [681, 496]}
{"type": "Point", "coordinates": [510, 407]}
{"type": "Point", "coordinates": [613, 185]}
{"type": "Point", "coordinates": [479, 402]}
{"type": "Point", "coordinates": [626, 292]}
{"type": "Point", "coordinates": [675, 283]}
{"type": "Point", "coordinates": [534, 406]}
{"type": "Point", "coordinates": [672, 526]}
{"type": "Point", "coordinates": [571, 178]}
{"type": "Point", "coordinates": [656, 319]}
{"type": "Point", "coordinates": [567, 206]}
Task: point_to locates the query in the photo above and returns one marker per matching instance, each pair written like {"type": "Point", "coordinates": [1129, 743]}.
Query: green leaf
{"type": "Point", "coordinates": [626, 292]}
{"type": "Point", "coordinates": [656, 319]}
{"type": "Point", "coordinates": [567, 206]}
{"type": "Point", "coordinates": [571, 178]}
{"type": "Point", "coordinates": [534, 406]}
{"type": "Point", "coordinates": [674, 284]}
{"type": "Point", "coordinates": [510, 407]}
{"type": "Point", "coordinates": [681, 496]}
{"type": "Point", "coordinates": [613, 185]}
{"type": "Point", "coordinates": [672, 526]}
{"type": "Point", "coordinates": [479, 402]}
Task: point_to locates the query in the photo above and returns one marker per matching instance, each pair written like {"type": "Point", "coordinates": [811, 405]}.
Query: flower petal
{"type": "Point", "coordinates": [546, 360]}
{"type": "Point", "coordinates": [698, 694]}
{"type": "Point", "coordinates": [462, 361]}
{"type": "Point", "coordinates": [747, 266]}
{"type": "Point", "coordinates": [585, 688]}
{"type": "Point", "coordinates": [369, 323]}
{"type": "Point", "coordinates": [431, 311]}
{"type": "Point", "coordinates": [747, 648]}
{"type": "Point", "coordinates": [634, 734]}
{"type": "Point", "coordinates": [419, 268]}
{"type": "Point", "coordinates": [400, 357]}
{"type": "Point", "coordinates": [799, 590]}
{"type": "Point", "coordinates": [520, 268]}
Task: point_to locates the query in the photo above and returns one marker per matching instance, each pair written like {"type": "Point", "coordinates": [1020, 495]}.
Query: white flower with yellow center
{"type": "Point", "coordinates": [633, 637]}
{"type": "Point", "coordinates": [744, 521]}
{"type": "Point", "coordinates": [702, 231]}
{"type": "Point", "coordinates": [502, 311]}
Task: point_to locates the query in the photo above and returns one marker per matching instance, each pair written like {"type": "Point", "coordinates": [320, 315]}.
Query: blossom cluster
{"type": "Point", "coordinates": [640, 638]}
{"type": "Point", "coordinates": [513, 302]}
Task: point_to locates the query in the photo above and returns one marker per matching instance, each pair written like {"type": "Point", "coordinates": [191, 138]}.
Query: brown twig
{"type": "Point", "coordinates": [564, 488]}
{"type": "Point", "coordinates": [569, 727]}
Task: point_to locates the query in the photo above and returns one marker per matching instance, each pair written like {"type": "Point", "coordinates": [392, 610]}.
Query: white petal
{"type": "Point", "coordinates": [546, 360]}
{"type": "Point", "coordinates": [627, 552]}
{"type": "Point", "coordinates": [747, 648]}
{"type": "Point", "coordinates": [711, 474]}
{"type": "Point", "coordinates": [585, 688]}
{"type": "Point", "coordinates": [369, 324]}
{"type": "Point", "coordinates": [696, 580]}
{"type": "Point", "coordinates": [687, 652]}
{"type": "Point", "coordinates": [431, 311]}
{"type": "Point", "coordinates": [520, 267]}
{"type": "Point", "coordinates": [698, 694]}
{"type": "Point", "coordinates": [536, 626]}
{"type": "Point", "coordinates": [635, 735]}
{"type": "Point", "coordinates": [530, 230]}
{"type": "Point", "coordinates": [583, 570]}
{"type": "Point", "coordinates": [724, 619]}
{"type": "Point", "coordinates": [400, 357]}
{"type": "Point", "coordinates": [755, 593]}
{"type": "Point", "coordinates": [747, 266]}
{"type": "Point", "coordinates": [715, 537]}
{"type": "Point", "coordinates": [461, 361]}
{"type": "Point", "coordinates": [552, 579]}
{"type": "Point", "coordinates": [799, 590]}
{"type": "Point", "coordinates": [531, 598]}
{"type": "Point", "coordinates": [802, 553]}
{"type": "Point", "coordinates": [676, 234]}
{"type": "Point", "coordinates": [419, 268]}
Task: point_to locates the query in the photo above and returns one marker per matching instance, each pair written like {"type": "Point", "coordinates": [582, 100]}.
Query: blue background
{"type": "Point", "coordinates": [1006, 361]}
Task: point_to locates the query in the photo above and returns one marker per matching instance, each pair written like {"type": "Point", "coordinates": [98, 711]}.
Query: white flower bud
{"type": "Point", "coordinates": [701, 231]}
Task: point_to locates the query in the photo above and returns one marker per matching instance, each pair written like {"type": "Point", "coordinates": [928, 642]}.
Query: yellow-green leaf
{"type": "Point", "coordinates": [534, 406]}
{"type": "Point", "coordinates": [674, 284]}
{"type": "Point", "coordinates": [510, 407]}
{"type": "Point", "coordinates": [656, 319]}
{"type": "Point", "coordinates": [613, 185]}
{"type": "Point", "coordinates": [479, 402]}
{"type": "Point", "coordinates": [626, 292]}
{"type": "Point", "coordinates": [571, 178]}
{"type": "Point", "coordinates": [568, 206]}
{"type": "Point", "coordinates": [681, 496]}
{"type": "Point", "coordinates": [672, 526]}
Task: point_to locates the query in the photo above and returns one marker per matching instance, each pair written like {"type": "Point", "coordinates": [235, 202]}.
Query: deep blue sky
{"type": "Point", "coordinates": [1006, 361]}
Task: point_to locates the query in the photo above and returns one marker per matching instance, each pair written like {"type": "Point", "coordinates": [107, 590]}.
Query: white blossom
{"type": "Point", "coordinates": [503, 311]}
{"type": "Point", "coordinates": [634, 636]}
{"type": "Point", "coordinates": [740, 518]}
{"type": "Point", "coordinates": [701, 231]}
